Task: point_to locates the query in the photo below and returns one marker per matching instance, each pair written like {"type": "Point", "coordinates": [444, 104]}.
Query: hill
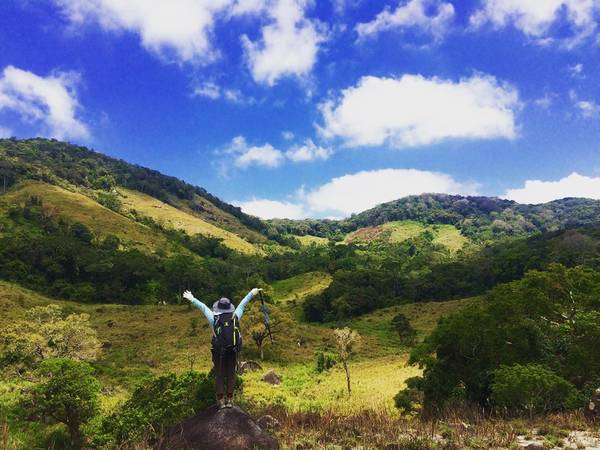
{"type": "Point", "coordinates": [60, 163]}
{"type": "Point", "coordinates": [479, 219]}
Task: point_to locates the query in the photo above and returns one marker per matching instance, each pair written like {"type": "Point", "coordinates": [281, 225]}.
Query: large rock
{"type": "Point", "coordinates": [218, 429]}
{"type": "Point", "coordinates": [271, 377]}
{"type": "Point", "coordinates": [592, 409]}
{"type": "Point", "coordinates": [248, 366]}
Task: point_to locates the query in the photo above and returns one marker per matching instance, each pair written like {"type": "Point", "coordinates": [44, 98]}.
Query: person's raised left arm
{"type": "Point", "coordinates": [239, 311]}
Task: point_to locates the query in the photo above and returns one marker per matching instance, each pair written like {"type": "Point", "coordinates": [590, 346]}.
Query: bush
{"type": "Point", "coordinates": [401, 325]}
{"type": "Point", "coordinates": [68, 393]}
{"type": "Point", "coordinates": [157, 404]}
{"type": "Point", "coordinates": [533, 389]}
{"type": "Point", "coordinates": [325, 361]}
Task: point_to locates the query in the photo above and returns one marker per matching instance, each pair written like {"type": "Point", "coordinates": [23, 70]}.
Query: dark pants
{"type": "Point", "coordinates": [224, 372]}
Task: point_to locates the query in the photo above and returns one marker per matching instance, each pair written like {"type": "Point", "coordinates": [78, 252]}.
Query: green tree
{"type": "Point", "coordinates": [46, 333]}
{"type": "Point", "coordinates": [401, 325]}
{"type": "Point", "coordinates": [68, 394]}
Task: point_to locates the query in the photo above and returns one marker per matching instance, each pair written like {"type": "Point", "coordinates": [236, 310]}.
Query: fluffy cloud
{"type": "Point", "coordinates": [308, 151]}
{"type": "Point", "coordinates": [245, 155]}
{"type": "Point", "coordinates": [413, 110]}
{"type": "Point", "coordinates": [289, 44]}
{"type": "Point", "coordinates": [5, 132]}
{"type": "Point", "coordinates": [47, 101]}
{"type": "Point", "coordinates": [587, 108]}
{"type": "Point", "coordinates": [538, 191]}
{"type": "Point", "coordinates": [537, 18]}
{"type": "Point", "coordinates": [242, 155]}
{"type": "Point", "coordinates": [363, 190]}
{"type": "Point", "coordinates": [358, 192]}
{"type": "Point", "coordinates": [176, 30]}
{"type": "Point", "coordinates": [272, 209]}
{"type": "Point", "coordinates": [429, 16]}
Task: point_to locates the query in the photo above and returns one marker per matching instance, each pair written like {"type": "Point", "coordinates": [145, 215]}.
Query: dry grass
{"type": "Point", "coordinates": [181, 220]}
{"type": "Point", "coordinates": [75, 207]}
{"type": "Point", "coordinates": [308, 240]}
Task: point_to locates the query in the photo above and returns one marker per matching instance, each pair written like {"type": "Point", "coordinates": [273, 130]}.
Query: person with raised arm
{"type": "Point", "coordinates": [224, 319]}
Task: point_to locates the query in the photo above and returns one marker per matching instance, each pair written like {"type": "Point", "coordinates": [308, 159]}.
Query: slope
{"type": "Point", "coordinates": [75, 207]}
{"type": "Point", "coordinates": [181, 220]}
{"type": "Point", "coordinates": [57, 162]}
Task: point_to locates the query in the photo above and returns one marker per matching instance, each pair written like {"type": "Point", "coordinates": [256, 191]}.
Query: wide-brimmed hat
{"type": "Point", "coordinates": [223, 305]}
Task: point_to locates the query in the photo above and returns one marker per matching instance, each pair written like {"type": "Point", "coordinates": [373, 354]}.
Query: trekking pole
{"type": "Point", "coordinates": [264, 310]}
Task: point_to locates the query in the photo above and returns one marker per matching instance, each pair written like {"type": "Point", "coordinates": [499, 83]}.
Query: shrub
{"type": "Point", "coordinates": [533, 389]}
{"type": "Point", "coordinates": [67, 393]}
{"type": "Point", "coordinates": [157, 404]}
{"type": "Point", "coordinates": [325, 361]}
{"type": "Point", "coordinates": [401, 325]}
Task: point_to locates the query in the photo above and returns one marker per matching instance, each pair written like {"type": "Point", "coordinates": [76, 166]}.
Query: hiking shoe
{"type": "Point", "coordinates": [229, 402]}
{"type": "Point", "coordinates": [221, 403]}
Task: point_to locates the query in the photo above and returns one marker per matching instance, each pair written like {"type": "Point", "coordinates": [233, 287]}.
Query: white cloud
{"type": "Point", "coordinates": [413, 110]}
{"type": "Point", "coordinates": [576, 70]}
{"type": "Point", "coordinates": [433, 17]}
{"type": "Point", "coordinates": [358, 192]}
{"type": "Point", "coordinates": [537, 18]}
{"type": "Point", "coordinates": [363, 190]}
{"type": "Point", "coordinates": [272, 209]}
{"type": "Point", "coordinates": [47, 101]}
{"type": "Point", "coordinates": [544, 102]}
{"type": "Point", "coordinates": [207, 89]}
{"type": "Point", "coordinates": [287, 135]}
{"type": "Point", "coordinates": [176, 30]}
{"type": "Point", "coordinates": [538, 191]}
{"type": "Point", "coordinates": [248, 155]}
{"type": "Point", "coordinates": [288, 46]}
{"type": "Point", "coordinates": [587, 108]}
{"type": "Point", "coordinates": [213, 91]}
{"type": "Point", "coordinates": [308, 151]}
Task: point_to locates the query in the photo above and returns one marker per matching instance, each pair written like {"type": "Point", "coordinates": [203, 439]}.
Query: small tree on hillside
{"type": "Point", "coordinates": [280, 324]}
{"type": "Point", "coordinates": [346, 340]}
{"type": "Point", "coordinates": [67, 393]}
{"type": "Point", "coordinates": [401, 325]}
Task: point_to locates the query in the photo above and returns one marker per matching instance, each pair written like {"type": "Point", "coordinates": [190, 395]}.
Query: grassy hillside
{"type": "Point", "coordinates": [153, 339]}
{"type": "Point", "coordinates": [57, 162]}
{"type": "Point", "coordinates": [398, 231]}
{"type": "Point", "coordinates": [310, 240]}
{"type": "Point", "coordinates": [75, 207]}
{"type": "Point", "coordinates": [300, 286]}
{"type": "Point", "coordinates": [172, 217]}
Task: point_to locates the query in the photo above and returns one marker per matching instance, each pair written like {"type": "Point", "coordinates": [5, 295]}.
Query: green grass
{"type": "Point", "coordinates": [422, 316]}
{"type": "Point", "coordinates": [399, 231]}
{"type": "Point", "coordinates": [182, 220]}
{"type": "Point", "coordinates": [76, 207]}
{"type": "Point", "coordinates": [299, 287]}
{"type": "Point", "coordinates": [308, 240]}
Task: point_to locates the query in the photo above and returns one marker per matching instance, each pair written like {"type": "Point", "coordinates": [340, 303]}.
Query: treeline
{"type": "Point", "coordinates": [409, 272]}
{"type": "Point", "coordinates": [48, 160]}
{"type": "Point", "coordinates": [530, 346]}
{"type": "Point", "coordinates": [66, 260]}
{"type": "Point", "coordinates": [478, 218]}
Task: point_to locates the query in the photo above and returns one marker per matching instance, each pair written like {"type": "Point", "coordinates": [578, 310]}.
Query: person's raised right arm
{"type": "Point", "coordinates": [201, 306]}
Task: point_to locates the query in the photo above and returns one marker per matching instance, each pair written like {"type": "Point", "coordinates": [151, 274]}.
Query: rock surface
{"type": "Point", "coordinates": [217, 429]}
{"type": "Point", "coordinates": [268, 422]}
{"type": "Point", "coordinates": [271, 377]}
{"type": "Point", "coordinates": [248, 366]}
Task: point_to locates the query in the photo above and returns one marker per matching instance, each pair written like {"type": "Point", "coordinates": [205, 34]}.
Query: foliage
{"type": "Point", "coordinates": [279, 323]}
{"type": "Point", "coordinates": [67, 393]}
{"type": "Point", "coordinates": [157, 404]}
{"type": "Point", "coordinates": [533, 389]}
{"type": "Point", "coordinates": [52, 161]}
{"type": "Point", "coordinates": [46, 332]}
{"type": "Point", "coordinates": [346, 341]}
{"type": "Point", "coordinates": [550, 318]}
{"type": "Point", "coordinates": [325, 361]}
{"type": "Point", "coordinates": [401, 325]}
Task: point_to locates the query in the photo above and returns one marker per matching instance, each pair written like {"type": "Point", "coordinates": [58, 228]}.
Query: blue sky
{"type": "Point", "coordinates": [325, 108]}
